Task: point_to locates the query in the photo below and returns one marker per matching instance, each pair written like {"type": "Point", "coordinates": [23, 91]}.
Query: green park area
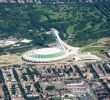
{"type": "Point", "coordinates": [95, 47]}
{"type": "Point", "coordinates": [79, 24]}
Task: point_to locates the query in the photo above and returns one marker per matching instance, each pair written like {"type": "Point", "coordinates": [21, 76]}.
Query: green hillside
{"type": "Point", "coordinates": [80, 24]}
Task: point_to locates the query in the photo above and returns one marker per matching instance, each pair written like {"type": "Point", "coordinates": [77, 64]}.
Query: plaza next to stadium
{"type": "Point", "coordinates": [56, 53]}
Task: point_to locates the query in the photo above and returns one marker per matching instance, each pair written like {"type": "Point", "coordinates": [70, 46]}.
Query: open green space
{"type": "Point", "coordinates": [80, 24]}
{"type": "Point", "coordinates": [93, 49]}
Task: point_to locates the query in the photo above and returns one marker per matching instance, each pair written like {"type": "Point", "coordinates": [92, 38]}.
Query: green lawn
{"type": "Point", "coordinates": [93, 49]}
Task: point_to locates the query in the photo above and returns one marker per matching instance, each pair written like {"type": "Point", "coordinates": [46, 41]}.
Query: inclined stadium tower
{"type": "Point", "coordinates": [51, 54]}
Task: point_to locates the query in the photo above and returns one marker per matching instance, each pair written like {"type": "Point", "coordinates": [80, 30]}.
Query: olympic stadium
{"type": "Point", "coordinates": [53, 54]}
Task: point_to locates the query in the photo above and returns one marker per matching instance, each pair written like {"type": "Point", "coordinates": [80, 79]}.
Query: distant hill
{"type": "Point", "coordinates": [79, 23]}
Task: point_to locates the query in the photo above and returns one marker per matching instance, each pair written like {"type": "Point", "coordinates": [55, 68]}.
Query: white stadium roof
{"type": "Point", "coordinates": [45, 55]}
{"type": "Point", "coordinates": [57, 53]}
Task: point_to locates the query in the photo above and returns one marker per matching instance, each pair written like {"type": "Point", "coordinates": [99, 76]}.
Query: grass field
{"type": "Point", "coordinates": [93, 49]}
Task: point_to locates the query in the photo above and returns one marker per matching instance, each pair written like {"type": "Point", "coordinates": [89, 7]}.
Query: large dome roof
{"type": "Point", "coordinates": [51, 54]}
{"type": "Point", "coordinates": [45, 55]}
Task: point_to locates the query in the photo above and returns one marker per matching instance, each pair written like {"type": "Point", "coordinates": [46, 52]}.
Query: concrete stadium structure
{"type": "Point", "coordinates": [57, 53]}
{"type": "Point", "coordinates": [60, 52]}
